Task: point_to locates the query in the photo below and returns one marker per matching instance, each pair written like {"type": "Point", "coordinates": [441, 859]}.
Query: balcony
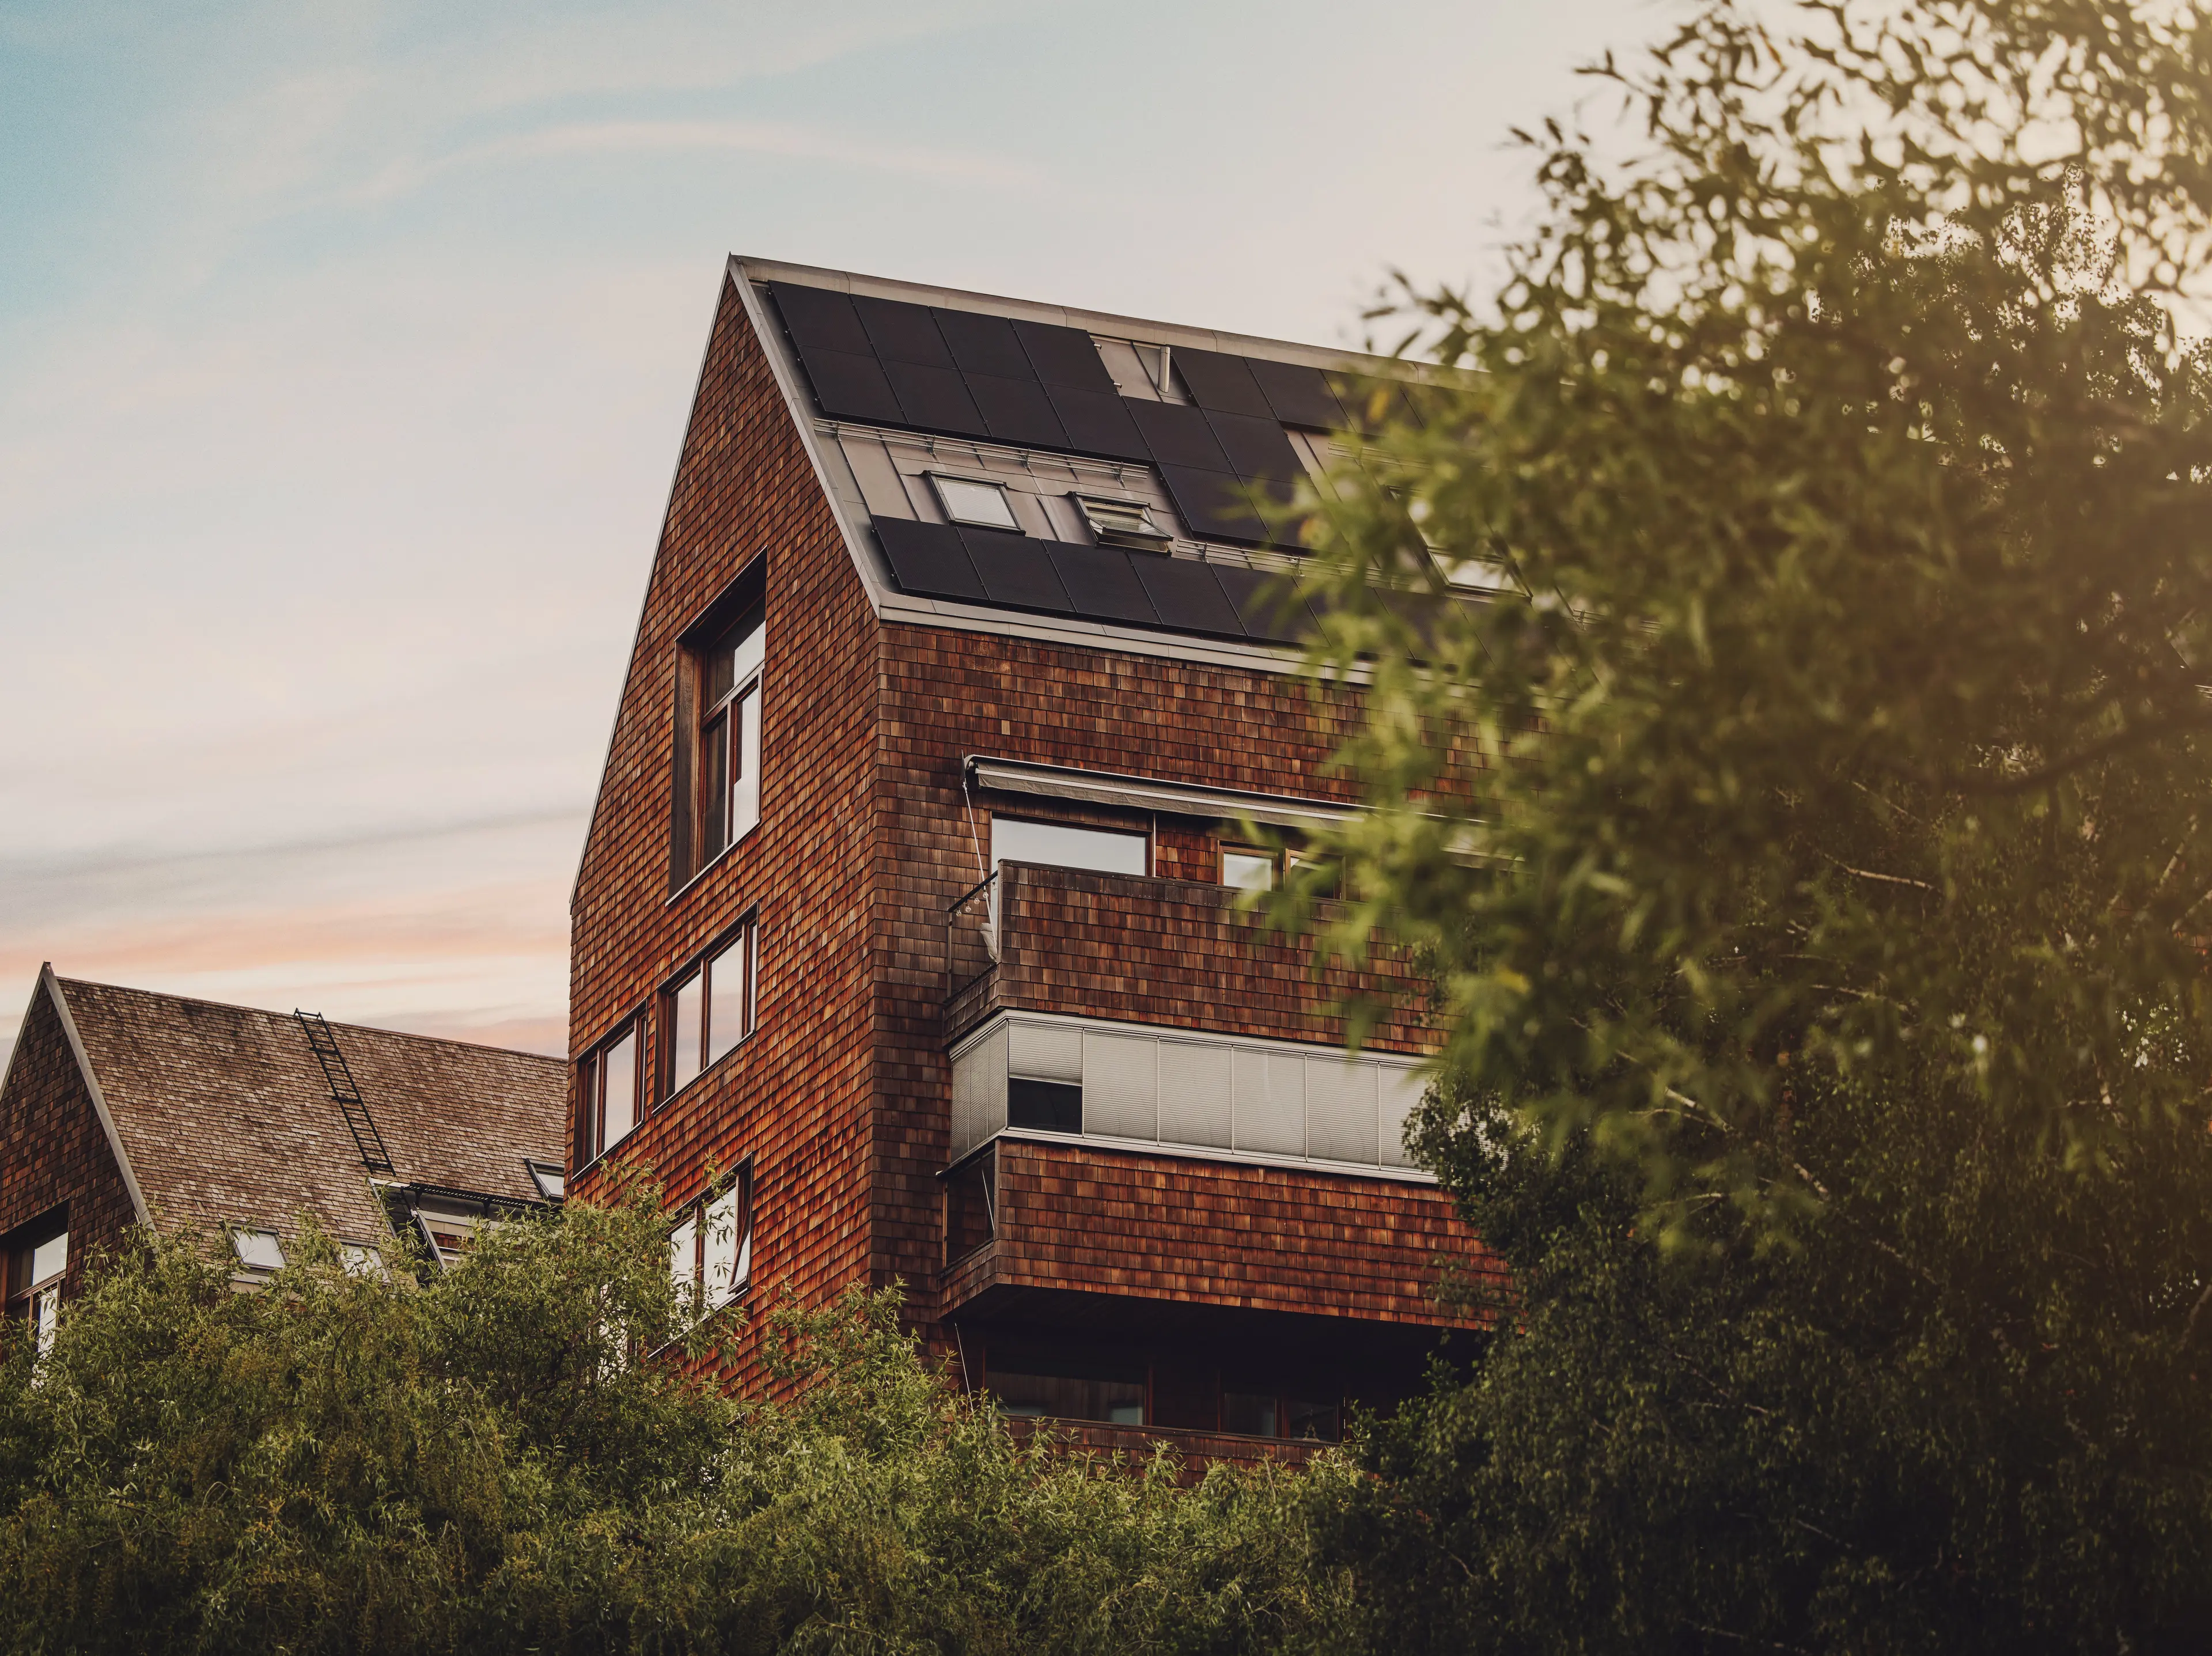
{"type": "Point", "coordinates": [1169, 952]}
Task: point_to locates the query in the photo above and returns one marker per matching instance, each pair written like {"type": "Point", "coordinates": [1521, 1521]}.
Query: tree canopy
{"type": "Point", "coordinates": [1807, 828]}
{"type": "Point", "coordinates": [531, 1452]}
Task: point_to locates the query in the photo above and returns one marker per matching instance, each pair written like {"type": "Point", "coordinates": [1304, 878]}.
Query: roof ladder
{"type": "Point", "coordinates": [325, 1046]}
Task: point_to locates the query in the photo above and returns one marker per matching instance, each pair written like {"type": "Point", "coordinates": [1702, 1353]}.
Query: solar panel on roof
{"type": "Point", "coordinates": [1017, 410]}
{"type": "Point", "coordinates": [935, 399]}
{"type": "Point", "coordinates": [902, 332]}
{"type": "Point", "coordinates": [1265, 603]}
{"type": "Point", "coordinates": [1177, 434]}
{"type": "Point", "coordinates": [983, 345]}
{"type": "Point", "coordinates": [1186, 595]}
{"type": "Point", "coordinates": [1015, 569]}
{"type": "Point", "coordinates": [1280, 491]}
{"type": "Point", "coordinates": [1213, 504]}
{"type": "Point", "coordinates": [850, 386]}
{"type": "Point", "coordinates": [1297, 394]}
{"type": "Point", "coordinates": [1097, 423]}
{"type": "Point", "coordinates": [928, 558]}
{"type": "Point", "coordinates": [821, 318]}
{"type": "Point", "coordinates": [1064, 356]}
{"type": "Point", "coordinates": [1222, 382]}
{"type": "Point", "coordinates": [1255, 447]}
{"type": "Point", "coordinates": [1101, 583]}
{"type": "Point", "coordinates": [1368, 403]}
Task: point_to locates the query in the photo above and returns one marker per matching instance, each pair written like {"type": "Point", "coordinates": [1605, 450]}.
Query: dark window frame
{"type": "Point", "coordinates": [702, 734]}
{"type": "Point", "coordinates": [26, 1299]}
{"type": "Point", "coordinates": [745, 932]}
{"type": "Point", "coordinates": [694, 1213]}
{"type": "Point", "coordinates": [593, 1143]}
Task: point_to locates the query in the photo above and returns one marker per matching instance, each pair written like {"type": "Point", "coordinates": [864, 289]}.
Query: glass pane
{"type": "Point", "coordinates": [1247, 870]}
{"type": "Point", "coordinates": [358, 1260]}
{"type": "Point", "coordinates": [745, 785]}
{"type": "Point", "coordinates": [683, 1255]}
{"type": "Point", "coordinates": [48, 1257]}
{"type": "Point", "coordinates": [1315, 1421]}
{"type": "Point", "coordinates": [726, 1254]}
{"type": "Point", "coordinates": [1015, 840]}
{"type": "Point", "coordinates": [690, 1026]}
{"type": "Point", "coordinates": [1120, 1402]}
{"type": "Point", "coordinates": [618, 1113]}
{"type": "Point", "coordinates": [727, 1010]}
{"type": "Point", "coordinates": [982, 504]}
{"type": "Point", "coordinates": [257, 1249]}
{"type": "Point", "coordinates": [748, 649]}
{"type": "Point", "coordinates": [46, 1315]}
{"type": "Point", "coordinates": [713, 786]}
{"type": "Point", "coordinates": [1048, 1106]}
{"type": "Point", "coordinates": [1251, 1413]}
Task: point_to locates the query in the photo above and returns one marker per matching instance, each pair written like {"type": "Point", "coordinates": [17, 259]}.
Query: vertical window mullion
{"type": "Point", "coordinates": [744, 762]}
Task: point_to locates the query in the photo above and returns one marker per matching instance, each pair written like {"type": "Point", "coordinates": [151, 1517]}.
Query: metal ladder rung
{"type": "Point", "coordinates": [323, 1042]}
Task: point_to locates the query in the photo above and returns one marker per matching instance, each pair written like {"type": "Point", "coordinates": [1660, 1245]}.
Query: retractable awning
{"type": "Point", "coordinates": [1149, 793]}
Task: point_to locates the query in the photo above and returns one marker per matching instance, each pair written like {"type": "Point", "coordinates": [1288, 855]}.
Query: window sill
{"type": "Point", "coordinates": [708, 867]}
{"type": "Point", "coordinates": [669, 1102]}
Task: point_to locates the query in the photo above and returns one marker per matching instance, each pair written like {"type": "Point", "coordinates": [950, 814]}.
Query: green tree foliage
{"type": "Point", "coordinates": [1812, 840]}
{"type": "Point", "coordinates": [483, 1462]}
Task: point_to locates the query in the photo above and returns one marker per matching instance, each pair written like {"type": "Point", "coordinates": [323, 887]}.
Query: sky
{"type": "Point", "coordinates": [345, 350]}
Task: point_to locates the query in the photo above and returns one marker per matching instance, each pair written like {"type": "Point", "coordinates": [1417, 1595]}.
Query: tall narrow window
{"type": "Point", "coordinates": [711, 1008]}
{"type": "Point", "coordinates": [728, 804]}
{"type": "Point", "coordinates": [36, 1258]}
{"type": "Point", "coordinates": [611, 1090]}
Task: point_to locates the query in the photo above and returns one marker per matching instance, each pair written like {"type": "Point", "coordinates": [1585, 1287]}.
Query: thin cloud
{"type": "Point", "coordinates": [673, 137]}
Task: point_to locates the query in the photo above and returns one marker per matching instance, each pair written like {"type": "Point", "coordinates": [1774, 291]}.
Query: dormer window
{"type": "Point", "coordinates": [1114, 521]}
{"type": "Point", "coordinates": [965, 501]}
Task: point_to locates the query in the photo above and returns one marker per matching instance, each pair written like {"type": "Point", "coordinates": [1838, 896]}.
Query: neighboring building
{"type": "Point", "coordinates": [122, 1107]}
{"type": "Point", "coordinates": [906, 928]}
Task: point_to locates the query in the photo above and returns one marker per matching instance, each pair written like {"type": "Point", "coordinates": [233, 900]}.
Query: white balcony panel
{"type": "Point", "coordinates": [1047, 1052]}
{"type": "Point", "coordinates": [1270, 1102]}
{"type": "Point", "coordinates": [1195, 1094]}
{"type": "Point", "coordinates": [1121, 1091]}
{"type": "Point", "coordinates": [1401, 1088]}
{"type": "Point", "coordinates": [979, 1092]}
{"type": "Point", "coordinates": [1340, 1109]}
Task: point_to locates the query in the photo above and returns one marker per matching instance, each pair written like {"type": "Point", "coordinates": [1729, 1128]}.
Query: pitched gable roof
{"type": "Point", "coordinates": [224, 1116]}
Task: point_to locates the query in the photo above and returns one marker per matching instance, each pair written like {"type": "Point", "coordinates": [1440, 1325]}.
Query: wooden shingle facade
{"type": "Point", "coordinates": [904, 899]}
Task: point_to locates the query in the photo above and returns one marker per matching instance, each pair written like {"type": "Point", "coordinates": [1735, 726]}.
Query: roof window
{"type": "Point", "coordinates": [550, 1179]}
{"type": "Point", "coordinates": [257, 1249]}
{"type": "Point", "coordinates": [968, 501]}
{"type": "Point", "coordinates": [358, 1260]}
{"type": "Point", "coordinates": [1117, 521]}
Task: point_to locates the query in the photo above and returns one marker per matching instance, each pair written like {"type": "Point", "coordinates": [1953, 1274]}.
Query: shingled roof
{"type": "Point", "coordinates": [221, 1115]}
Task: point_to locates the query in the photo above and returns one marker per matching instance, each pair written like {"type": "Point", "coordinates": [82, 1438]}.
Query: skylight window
{"type": "Point", "coordinates": [1473, 574]}
{"type": "Point", "coordinates": [257, 1249]}
{"type": "Point", "coordinates": [549, 1178]}
{"type": "Point", "coordinates": [359, 1261]}
{"type": "Point", "coordinates": [1114, 521]}
{"type": "Point", "coordinates": [967, 501]}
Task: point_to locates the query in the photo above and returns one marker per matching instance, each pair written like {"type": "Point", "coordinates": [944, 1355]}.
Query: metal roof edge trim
{"type": "Point", "coordinates": [52, 983]}
{"type": "Point", "coordinates": [1111, 324]}
{"type": "Point", "coordinates": [1150, 793]}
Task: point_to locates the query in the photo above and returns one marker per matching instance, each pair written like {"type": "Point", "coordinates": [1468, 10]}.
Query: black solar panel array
{"type": "Point", "coordinates": [1100, 583]}
{"type": "Point", "coordinates": [1037, 386]}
